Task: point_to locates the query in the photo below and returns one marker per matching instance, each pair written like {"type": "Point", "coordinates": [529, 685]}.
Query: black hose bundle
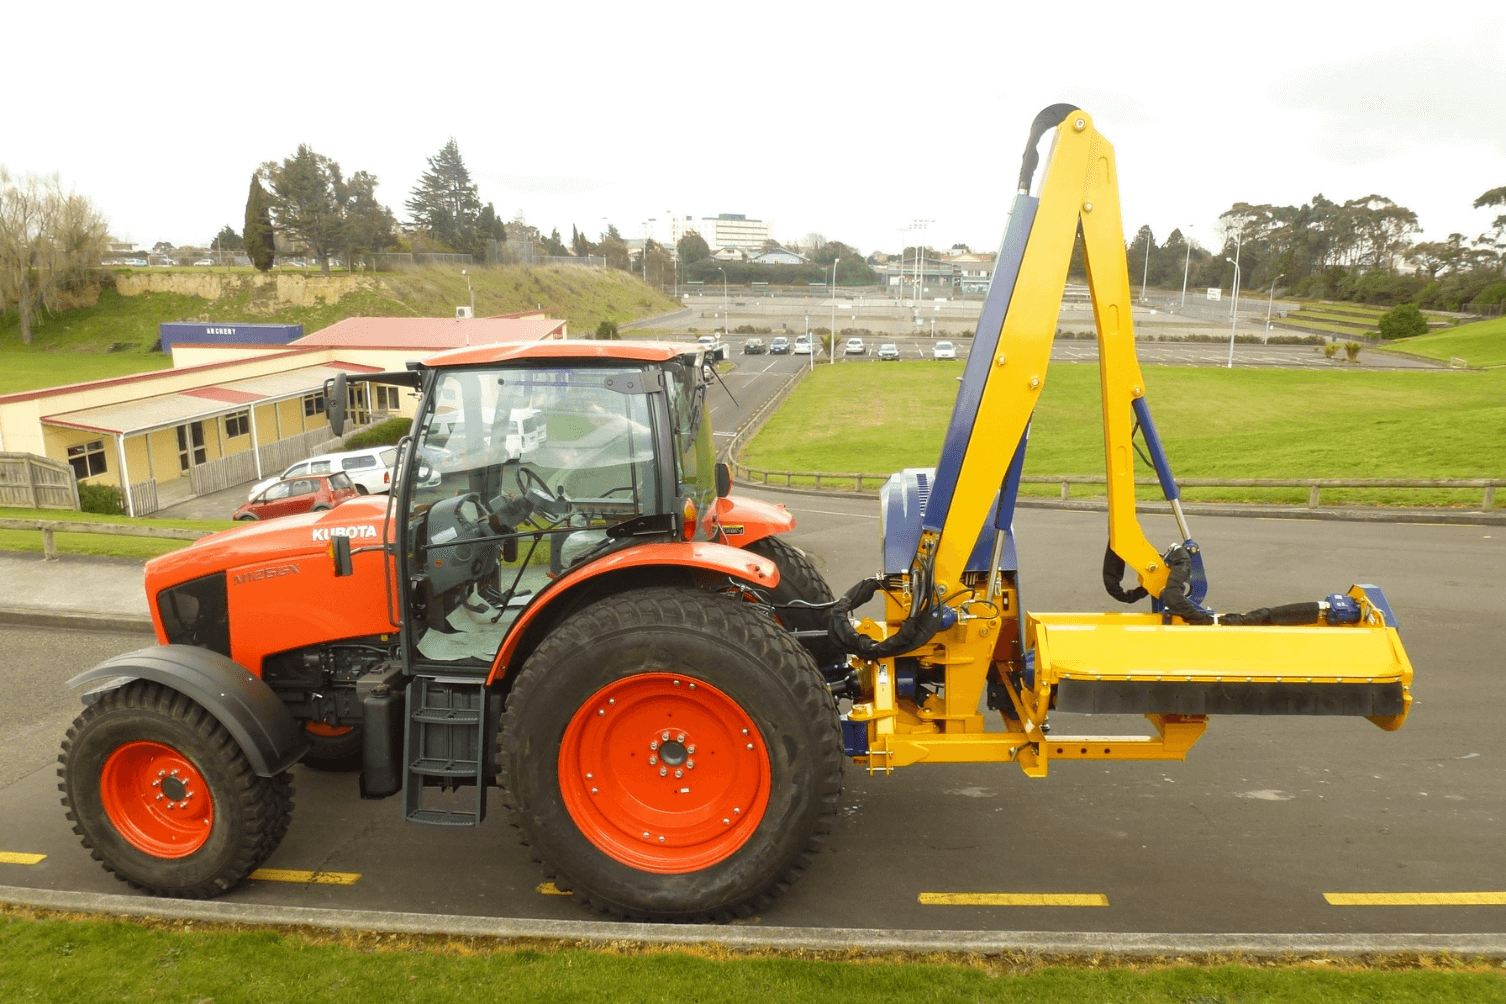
{"type": "Point", "coordinates": [920, 627]}
{"type": "Point", "coordinates": [1175, 601]}
{"type": "Point", "coordinates": [1291, 613]}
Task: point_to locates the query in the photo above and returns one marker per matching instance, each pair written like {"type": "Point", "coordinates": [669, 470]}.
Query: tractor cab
{"type": "Point", "coordinates": [533, 462]}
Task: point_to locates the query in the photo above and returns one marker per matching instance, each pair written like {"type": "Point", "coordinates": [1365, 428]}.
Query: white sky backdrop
{"type": "Point", "coordinates": [848, 119]}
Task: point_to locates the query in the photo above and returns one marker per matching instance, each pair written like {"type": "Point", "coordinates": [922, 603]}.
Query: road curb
{"type": "Point", "coordinates": [1344, 514]}
{"type": "Point", "coordinates": [868, 941]}
{"type": "Point", "coordinates": [27, 617]}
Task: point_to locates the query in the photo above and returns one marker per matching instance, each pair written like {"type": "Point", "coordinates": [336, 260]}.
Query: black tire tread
{"type": "Point", "coordinates": [800, 580]}
{"type": "Point", "coordinates": [771, 646]}
{"type": "Point", "coordinates": [266, 802]}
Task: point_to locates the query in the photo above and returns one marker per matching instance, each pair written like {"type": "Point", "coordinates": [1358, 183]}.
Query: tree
{"type": "Point", "coordinates": [579, 244]}
{"type": "Point", "coordinates": [305, 190]}
{"type": "Point", "coordinates": [368, 226]}
{"type": "Point", "coordinates": [693, 248]}
{"type": "Point", "coordinates": [49, 240]}
{"type": "Point", "coordinates": [554, 245]}
{"type": "Point", "coordinates": [489, 227]}
{"type": "Point", "coordinates": [445, 201]}
{"type": "Point", "coordinates": [615, 252]}
{"type": "Point", "coordinates": [1402, 322]}
{"type": "Point", "coordinates": [606, 331]}
{"type": "Point", "coordinates": [227, 240]}
{"type": "Point", "coordinates": [260, 238]}
{"type": "Point", "coordinates": [658, 266]}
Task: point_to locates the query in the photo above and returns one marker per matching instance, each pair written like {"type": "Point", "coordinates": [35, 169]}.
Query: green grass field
{"type": "Point", "coordinates": [44, 960]}
{"type": "Point", "coordinates": [1216, 423]}
{"type": "Point", "coordinates": [1480, 344]}
{"type": "Point", "coordinates": [99, 543]}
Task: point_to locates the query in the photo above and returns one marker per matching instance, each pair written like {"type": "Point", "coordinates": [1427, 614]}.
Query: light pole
{"type": "Point", "coordinates": [1145, 273]}
{"type": "Point", "coordinates": [726, 305]}
{"type": "Point", "coordinates": [832, 356]}
{"type": "Point", "coordinates": [1268, 301]}
{"type": "Point", "coordinates": [1233, 314]}
{"type": "Point", "coordinates": [1239, 239]}
{"type": "Point", "coordinates": [1186, 263]}
{"type": "Point", "coordinates": [471, 289]}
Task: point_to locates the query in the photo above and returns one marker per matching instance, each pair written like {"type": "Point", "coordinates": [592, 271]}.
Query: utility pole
{"type": "Point", "coordinates": [1186, 263]}
{"type": "Point", "coordinates": [1145, 274]}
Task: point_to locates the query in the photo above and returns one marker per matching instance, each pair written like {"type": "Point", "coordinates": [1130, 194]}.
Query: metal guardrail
{"type": "Point", "coordinates": [1314, 485]}
{"type": "Point", "coordinates": [50, 527]}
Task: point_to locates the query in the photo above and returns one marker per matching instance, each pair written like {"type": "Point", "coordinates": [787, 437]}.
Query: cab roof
{"type": "Point", "coordinates": [647, 352]}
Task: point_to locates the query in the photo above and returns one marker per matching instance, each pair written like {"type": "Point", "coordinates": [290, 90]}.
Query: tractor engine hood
{"type": "Point", "coordinates": [267, 587]}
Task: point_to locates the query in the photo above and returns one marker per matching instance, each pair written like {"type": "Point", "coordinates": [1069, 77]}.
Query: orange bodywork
{"type": "Point", "coordinates": [744, 520]}
{"type": "Point", "coordinates": [280, 580]}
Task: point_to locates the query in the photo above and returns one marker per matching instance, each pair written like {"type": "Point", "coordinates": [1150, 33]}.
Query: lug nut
{"type": "Point", "coordinates": [652, 760]}
{"type": "Point", "coordinates": [726, 822]}
{"type": "Point", "coordinates": [663, 771]}
{"type": "Point", "coordinates": [162, 773]}
{"type": "Point", "coordinates": [690, 765]}
{"type": "Point", "coordinates": [654, 745]}
{"type": "Point", "coordinates": [593, 791]}
{"type": "Point", "coordinates": [156, 784]}
{"type": "Point", "coordinates": [677, 683]}
{"type": "Point", "coordinates": [745, 731]}
{"type": "Point", "coordinates": [645, 834]}
{"type": "Point", "coordinates": [174, 772]}
{"type": "Point", "coordinates": [664, 736]}
{"type": "Point", "coordinates": [159, 798]}
{"type": "Point", "coordinates": [601, 711]}
{"type": "Point", "coordinates": [736, 810]}
{"type": "Point", "coordinates": [611, 700]}
{"type": "Point", "coordinates": [590, 776]}
{"type": "Point", "coordinates": [692, 686]}
{"type": "Point", "coordinates": [661, 839]}
{"type": "Point", "coordinates": [679, 773]}
{"type": "Point", "coordinates": [690, 750]}
{"type": "Point", "coordinates": [750, 746]}
{"type": "Point", "coordinates": [680, 738]}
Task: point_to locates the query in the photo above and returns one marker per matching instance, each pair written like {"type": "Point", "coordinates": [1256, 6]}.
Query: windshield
{"type": "Point", "coordinates": [522, 471]}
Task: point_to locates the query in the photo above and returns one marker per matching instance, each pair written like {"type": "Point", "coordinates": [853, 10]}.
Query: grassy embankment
{"type": "Point", "coordinates": [1480, 344]}
{"type": "Point", "coordinates": [47, 960]}
{"type": "Point", "coordinates": [114, 337]}
{"type": "Point", "coordinates": [1216, 423]}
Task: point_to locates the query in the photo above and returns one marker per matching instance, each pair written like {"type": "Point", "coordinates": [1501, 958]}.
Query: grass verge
{"type": "Point", "coordinates": [48, 960]}
{"type": "Point", "coordinates": [1216, 423]}
{"type": "Point", "coordinates": [99, 543]}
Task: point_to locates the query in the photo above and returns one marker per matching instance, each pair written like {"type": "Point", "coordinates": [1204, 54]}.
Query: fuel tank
{"type": "Point", "coordinates": [267, 587]}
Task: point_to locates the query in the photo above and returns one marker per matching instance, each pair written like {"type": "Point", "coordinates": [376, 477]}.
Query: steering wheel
{"type": "Point", "coordinates": [535, 488]}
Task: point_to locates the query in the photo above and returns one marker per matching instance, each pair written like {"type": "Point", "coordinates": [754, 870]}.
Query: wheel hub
{"type": "Point", "coordinates": [664, 773]}
{"type": "Point", "coordinates": [156, 799]}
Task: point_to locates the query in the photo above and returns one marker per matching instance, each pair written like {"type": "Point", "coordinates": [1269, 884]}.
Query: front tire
{"type": "Point", "coordinates": [333, 748]}
{"type": "Point", "coordinates": [708, 824]}
{"type": "Point", "coordinates": [163, 797]}
{"type": "Point", "coordinates": [799, 580]}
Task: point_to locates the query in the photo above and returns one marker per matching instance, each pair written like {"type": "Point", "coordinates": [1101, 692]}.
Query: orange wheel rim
{"type": "Point", "coordinates": [156, 799]}
{"type": "Point", "coordinates": [664, 773]}
{"type": "Point", "coordinates": [321, 729]}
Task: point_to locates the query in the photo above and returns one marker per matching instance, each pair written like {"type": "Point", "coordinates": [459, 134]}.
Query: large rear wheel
{"type": "Point", "coordinates": [672, 754]}
{"type": "Point", "coordinates": [799, 580]}
{"type": "Point", "coordinates": [164, 798]}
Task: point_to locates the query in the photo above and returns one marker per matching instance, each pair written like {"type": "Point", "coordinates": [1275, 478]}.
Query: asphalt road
{"type": "Point", "coordinates": [1266, 815]}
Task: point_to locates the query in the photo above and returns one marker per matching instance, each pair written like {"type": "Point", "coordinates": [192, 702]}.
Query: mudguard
{"type": "Point", "coordinates": [246, 706]}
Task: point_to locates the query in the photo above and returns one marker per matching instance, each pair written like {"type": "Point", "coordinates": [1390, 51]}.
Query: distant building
{"type": "Point", "coordinates": [731, 254]}
{"type": "Point", "coordinates": [734, 230]}
{"type": "Point", "coordinates": [778, 256]}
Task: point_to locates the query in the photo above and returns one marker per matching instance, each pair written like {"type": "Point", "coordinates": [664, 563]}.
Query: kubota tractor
{"type": "Point", "coordinates": [592, 624]}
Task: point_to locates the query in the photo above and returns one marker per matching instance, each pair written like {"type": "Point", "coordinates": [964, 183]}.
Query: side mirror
{"type": "Point", "coordinates": [723, 480]}
{"type": "Point", "coordinates": [334, 403]}
{"type": "Point", "coordinates": [339, 550]}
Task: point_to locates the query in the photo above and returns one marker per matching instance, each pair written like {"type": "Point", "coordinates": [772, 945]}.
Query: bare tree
{"type": "Point", "coordinates": [49, 240]}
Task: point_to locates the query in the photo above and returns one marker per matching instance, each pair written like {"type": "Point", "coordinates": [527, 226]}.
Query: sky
{"type": "Point", "coordinates": [850, 120]}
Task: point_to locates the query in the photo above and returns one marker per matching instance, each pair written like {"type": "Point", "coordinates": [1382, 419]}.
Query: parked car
{"type": "Point", "coordinates": [888, 350]}
{"type": "Point", "coordinates": [944, 350]}
{"type": "Point", "coordinates": [855, 347]}
{"type": "Point", "coordinates": [204, 261]}
{"type": "Point", "coordinates": [753, 347]}
{"type": "Point", "coordinates": [779, 346]}
{"type": "Point", "coordinates": [312, 493]}
{"type": "Point", "coordinates": [136, 262]}
{"type": "Point", "coordinates": [715, 350]}
{"type": "Point", "coordinates": [371, 472]}
{"type": "Point", "coordinates": [803, 345]}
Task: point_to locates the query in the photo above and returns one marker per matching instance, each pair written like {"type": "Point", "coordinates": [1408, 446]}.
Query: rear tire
{"type": "Point", "coordinates": [799, 580]}
{"type": "Point", "coordinates": [164, 798]}
{"type": "Point", "coordinates": [751, 809]}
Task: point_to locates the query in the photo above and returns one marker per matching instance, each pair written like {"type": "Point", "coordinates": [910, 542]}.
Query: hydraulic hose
{"type": "Point", "coordinates": [920, 627]}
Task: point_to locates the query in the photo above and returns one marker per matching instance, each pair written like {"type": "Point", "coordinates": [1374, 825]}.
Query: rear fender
{"type": "Point", "coordinates": [744, 520]}
{"type": "Point", "coordinates": [246, 706]}
{"type": "Point", "coordinates": [632, 567]}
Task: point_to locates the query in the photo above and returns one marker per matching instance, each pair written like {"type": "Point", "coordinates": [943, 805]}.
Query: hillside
{"type": "Point", "coordinates": [1480, 344]}
{"type": "Point", "coordinates": [113, 333]}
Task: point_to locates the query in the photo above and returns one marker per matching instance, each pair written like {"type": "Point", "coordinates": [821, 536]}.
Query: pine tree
{"type": "Point", "coordinates": [259, 236]}
{"type": "Point", "coordinates": [445, 201]}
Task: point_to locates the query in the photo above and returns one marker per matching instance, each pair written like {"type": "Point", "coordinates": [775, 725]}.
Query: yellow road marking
{"type": "Point", "coordinates": [304, 878]}
{"type": "Point", "coordinates": [550, 889]}
{"type": "Point", "coordinates": [1013, 899]}
{"type": "Point", "coordinates": [18, 858]}
{"type": "Point", "coordinates": [1415, 898]}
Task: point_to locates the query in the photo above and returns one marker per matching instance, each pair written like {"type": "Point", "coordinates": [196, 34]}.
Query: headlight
{"type": "Point", "coordinates": [196, 613]}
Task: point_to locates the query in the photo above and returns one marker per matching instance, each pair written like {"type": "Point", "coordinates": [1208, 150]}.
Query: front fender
{"type": "Point", "coordinates": [744, 520]}
{"type": "Point", "coordinates": [246, 706]}
{"type": "Point", "coordinates": [697, 556]}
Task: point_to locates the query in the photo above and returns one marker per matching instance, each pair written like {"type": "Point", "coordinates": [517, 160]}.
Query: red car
{"type": "Point", "coordinates": [310, 493]}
